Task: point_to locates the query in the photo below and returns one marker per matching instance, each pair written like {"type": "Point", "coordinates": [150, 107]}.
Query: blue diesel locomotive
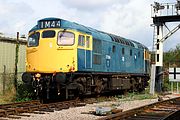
{"type": "Point", "coordinates": [68, 59]}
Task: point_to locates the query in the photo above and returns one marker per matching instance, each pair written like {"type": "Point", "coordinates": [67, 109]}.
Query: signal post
{"type": "Point", "coordinates": [161, 14]}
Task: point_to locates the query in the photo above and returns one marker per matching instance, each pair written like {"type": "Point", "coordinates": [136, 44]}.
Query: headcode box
{"type": "Point", "coordinates": [174, 74]}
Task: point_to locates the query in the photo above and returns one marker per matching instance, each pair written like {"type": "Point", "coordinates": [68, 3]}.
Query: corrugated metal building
{"type": "Point", "coordinates": [7, 61]}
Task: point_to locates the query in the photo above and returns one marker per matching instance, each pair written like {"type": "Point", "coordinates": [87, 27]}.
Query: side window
{"type": "Point", "coordinates": [139, 54]}
{"type": "Point", "coordinates": [65, 38]}
{"type": "Point", "coordinates": [97, 51]}
{"type": "Point", "coordinates": [87, 42]}
{"type": "Point", "coordinates": [114, 49]}
{"type": "Point", "coordinates": [130, 52]}
{"type": "Point", "coordinates": [97, 46]}
{"type": "Point", "coordinates": [81, 40]}
{"type": "Point", "coordinates": [123, 52]}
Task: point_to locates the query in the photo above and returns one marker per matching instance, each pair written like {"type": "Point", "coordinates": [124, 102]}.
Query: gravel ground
{"type": "Point", "coordinates": [82, 113]}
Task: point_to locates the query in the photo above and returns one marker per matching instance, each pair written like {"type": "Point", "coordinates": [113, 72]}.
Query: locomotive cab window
{"type": "Point", "coordinates": [130, 52]}
{"type": "Point", "coordinates": [87, 42]}
{"type": "Point", "coordinates": [81, 41]}
{"type": "Point", "coordinates": [33, 39]}
{"type": "Point", "coordinates": [48, 34]}
{"type": "Point", "coordinates": [65, 38]}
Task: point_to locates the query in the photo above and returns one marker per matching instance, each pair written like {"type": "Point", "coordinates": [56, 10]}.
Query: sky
{"type": "Point", "coordinates": [127, 18]}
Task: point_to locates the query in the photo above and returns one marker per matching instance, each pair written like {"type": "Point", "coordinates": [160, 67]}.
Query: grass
{"type": "Point", "coordinates": [129, 96]}
{"type": "Point", "coordinates": [9, 96]}
{"type": "Point", "coordinates": [25, 95]}
{"type": "Point", "coordinates": [22, 94]}
{"type": "Point", "coordinates": [139, 96]}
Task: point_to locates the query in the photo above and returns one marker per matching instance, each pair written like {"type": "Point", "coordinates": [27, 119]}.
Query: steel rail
{"type": "Point", "coordinates": [163, 110]}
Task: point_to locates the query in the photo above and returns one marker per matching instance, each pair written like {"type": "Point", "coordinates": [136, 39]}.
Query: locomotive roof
{"type": "Point", "coordinates": [60, 23]}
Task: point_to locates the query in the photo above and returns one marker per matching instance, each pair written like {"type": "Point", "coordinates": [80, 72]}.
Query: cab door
{"type": "Point", "coordinates": [84, 52]}
{"type": "Point", "coordinates": [88, 52]}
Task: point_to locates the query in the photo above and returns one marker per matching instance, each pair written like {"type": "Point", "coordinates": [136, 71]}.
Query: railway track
{"type": "Point", "coordinates": [163, 110]}
{"type": "Point", "coordinates": [15, 110]}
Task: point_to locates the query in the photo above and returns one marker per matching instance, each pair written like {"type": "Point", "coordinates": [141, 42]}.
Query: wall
{"type": "Point", "coordinates": [7, 61]}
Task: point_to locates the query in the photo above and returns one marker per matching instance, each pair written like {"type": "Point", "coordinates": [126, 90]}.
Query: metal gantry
{"type": "Point", "coordinates": [161, 13]}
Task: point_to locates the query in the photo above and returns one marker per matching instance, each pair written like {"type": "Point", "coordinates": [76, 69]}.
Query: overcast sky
{"type": "Point", "coordinates": [127, 18]}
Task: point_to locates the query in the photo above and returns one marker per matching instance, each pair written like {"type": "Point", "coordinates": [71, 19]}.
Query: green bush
{"type": "Point", "coordinates": [24, 92]}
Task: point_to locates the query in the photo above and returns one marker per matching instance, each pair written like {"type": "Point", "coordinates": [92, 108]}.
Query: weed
{"type": "Point", "coordinates": [9, 95]}
{"type": "Point", "coordinates": [24, 93]}
{"type": "Point", "coordinates": [137, 96]}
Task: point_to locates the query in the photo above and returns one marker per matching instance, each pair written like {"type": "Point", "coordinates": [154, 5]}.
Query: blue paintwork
{"type": "Point", "coordinates": [84, 59]}
{"type": "Point", "coordinates": [75, 26]}
{"type": "Point", "coordinates": [81, 59]}
{"type": "Point", "coordinates": [88, 59]}
{"type": "Point", "coordinates": [118, 62]}
{"type": "Point", "coordinates": [110, 61]}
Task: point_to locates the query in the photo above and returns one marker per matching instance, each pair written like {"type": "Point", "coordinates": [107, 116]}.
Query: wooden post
{"type": "Point", "coordinates": [16, 61]}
